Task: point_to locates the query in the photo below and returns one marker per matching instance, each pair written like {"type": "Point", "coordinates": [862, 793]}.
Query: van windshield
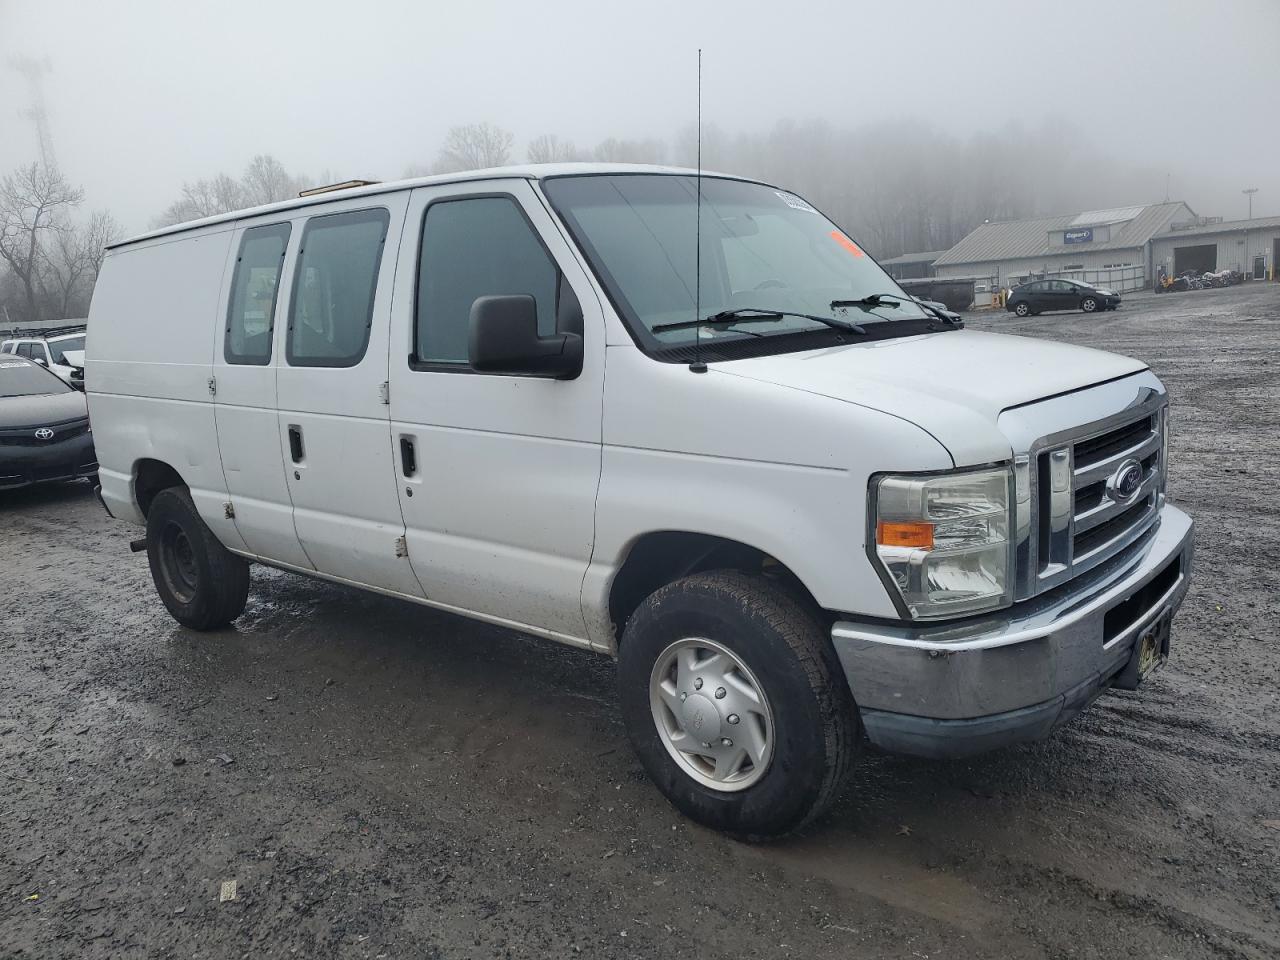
{"type": "Point", "coordinates": [761, 249]}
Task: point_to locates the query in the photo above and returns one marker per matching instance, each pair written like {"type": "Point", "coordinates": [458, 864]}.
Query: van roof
{"type": "Point", "coordinates": [528, 171]}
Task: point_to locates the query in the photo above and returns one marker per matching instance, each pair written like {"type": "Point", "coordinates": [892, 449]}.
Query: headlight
{"type": "Point", "coordinates": [944, 540]}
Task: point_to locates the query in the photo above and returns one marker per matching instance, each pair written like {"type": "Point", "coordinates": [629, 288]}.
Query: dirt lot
{"type": "Point", "coordinates": [386, 781]}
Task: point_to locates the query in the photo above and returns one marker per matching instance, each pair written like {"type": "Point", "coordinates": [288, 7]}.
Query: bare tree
{"type": "Point", "coordinates": [75, 258]}
{"type": "Point", "coordinates": [265, 180]}
{"type": "Point", "coordinates": [473, 147]}
{"type": "Point", "coordinates": [614, 150]}
{"type": "Point", "coordinates": [549, 148]}
{"type": "Point", "coordinates": [31, 200]}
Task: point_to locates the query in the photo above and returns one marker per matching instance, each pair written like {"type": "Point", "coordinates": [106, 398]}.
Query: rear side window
{"type": "Point", "coordinates": [332, 304]}
{"type": "Point", "coordinates": [476, 247]}
{"type": "Point", "coordinates": [255, 286]}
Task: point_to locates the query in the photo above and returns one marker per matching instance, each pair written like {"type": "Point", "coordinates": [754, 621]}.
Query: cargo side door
{"type": "Point", "coordinates": [246, 350]}
{"type": "Point", "coordinates": [333, 418]}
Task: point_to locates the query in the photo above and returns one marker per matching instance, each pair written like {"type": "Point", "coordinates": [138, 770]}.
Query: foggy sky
{"type": "Point", "coordinates": [143, 95]}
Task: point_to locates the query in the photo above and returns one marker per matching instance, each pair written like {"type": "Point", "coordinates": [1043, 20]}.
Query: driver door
{"type": "Point", "coordinates": [496, 474]}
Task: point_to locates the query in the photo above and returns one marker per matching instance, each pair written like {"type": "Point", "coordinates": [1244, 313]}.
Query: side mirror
{"type": "Point", "coordinates": [504, 339]}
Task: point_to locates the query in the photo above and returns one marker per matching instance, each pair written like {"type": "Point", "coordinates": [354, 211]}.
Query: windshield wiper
{"type": "Point", "coordinates": [727, 318]}
{"type": "Point", "coordinates": [871, 300]}
{"type": "Point", "coordinates": [882, 300]}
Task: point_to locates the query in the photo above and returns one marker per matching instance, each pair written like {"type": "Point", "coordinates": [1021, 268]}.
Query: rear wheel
{"type": "Point", "coordinates": [1088, 304]}
{"type": "Point", "coordinates": [736, 703]}
{"type": "Point", "coordinates": [202, 584]}
{"type": "Point", "coordinates": [1021, 309]}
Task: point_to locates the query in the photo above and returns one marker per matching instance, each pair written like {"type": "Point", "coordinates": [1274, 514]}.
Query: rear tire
{"type": "Point", "coordinates": [755, 636]}
{"type": "Point", "coordinates": [203, 585]}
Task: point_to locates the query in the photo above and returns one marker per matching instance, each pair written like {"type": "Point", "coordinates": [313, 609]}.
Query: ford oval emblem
{"type": "Point", "coordinates": [44, 433]}
{"type": "Point", "coordinates": [1126, 481]}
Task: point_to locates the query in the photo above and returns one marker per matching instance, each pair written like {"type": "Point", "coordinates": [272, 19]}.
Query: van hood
{"type": "Point", "coordinates": [953, 385]}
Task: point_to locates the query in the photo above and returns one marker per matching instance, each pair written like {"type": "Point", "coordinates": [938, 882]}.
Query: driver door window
{"type": "Point", "coordinates": [475, 247]}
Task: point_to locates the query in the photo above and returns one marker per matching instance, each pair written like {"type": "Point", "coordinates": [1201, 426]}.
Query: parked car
{"type": "Point", "coordinates": [800, 509]}
{"type": "Point", "coordinates": [1040, 296]}
{"type": "Point", "coordinates": [44, 427]}
{"type": "Point", "coordinates": [56, 351]}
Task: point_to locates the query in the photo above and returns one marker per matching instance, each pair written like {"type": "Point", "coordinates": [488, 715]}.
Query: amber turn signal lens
{"type": "Point", "coordinates": [904, 534]}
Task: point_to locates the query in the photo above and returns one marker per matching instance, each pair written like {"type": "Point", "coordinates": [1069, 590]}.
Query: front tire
{"type": "Point", "coordinates": [736, 703]}
{"type": "Point", "coordinates": [203, 585]}
{"type": "Point", "coordinates": [1088, 304]}
{"type": "Point", "coordinates": [1022, 309]}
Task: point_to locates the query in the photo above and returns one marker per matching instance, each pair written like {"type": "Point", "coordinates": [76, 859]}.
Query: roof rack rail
{"type": "Point", "coordinates": [42, 333]}
{"type": "Point", "coordinates": [344, 185]}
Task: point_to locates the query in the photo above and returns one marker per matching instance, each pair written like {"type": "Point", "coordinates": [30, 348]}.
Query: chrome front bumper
{"type": "Point", "coordinates": [952, 690]}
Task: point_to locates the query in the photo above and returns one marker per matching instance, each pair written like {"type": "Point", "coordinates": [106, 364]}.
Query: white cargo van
{"type": "Point", "coordinates": [801, 509]}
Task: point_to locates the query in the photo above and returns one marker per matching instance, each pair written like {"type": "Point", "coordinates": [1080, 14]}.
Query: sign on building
{"type": "Point", "coordinates": [1084, 235]}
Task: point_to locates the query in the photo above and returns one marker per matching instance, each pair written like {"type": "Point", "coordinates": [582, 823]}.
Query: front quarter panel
{"type": "Point", "coordinates": [779, 469]}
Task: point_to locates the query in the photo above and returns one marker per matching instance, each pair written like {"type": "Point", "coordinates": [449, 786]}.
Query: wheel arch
{"type": "Point", "coordinates": [659, 557]}
{"type": "Point", "coordinates": [150, 476]}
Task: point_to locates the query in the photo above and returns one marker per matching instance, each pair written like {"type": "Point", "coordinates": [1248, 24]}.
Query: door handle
{"type": "Point", "coordinates": [295, 442]}
{"type": "Point", "coordinates": [408, 457]}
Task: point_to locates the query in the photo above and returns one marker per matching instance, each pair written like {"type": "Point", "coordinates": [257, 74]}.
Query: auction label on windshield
{"type": "Point", "coordinates": [794, 202]}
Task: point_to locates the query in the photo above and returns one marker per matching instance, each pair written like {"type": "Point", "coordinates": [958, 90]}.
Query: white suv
{"type": "Point", "coordinates": [681, 420]}
{"type": "Point", "coordinates": [62, 353]}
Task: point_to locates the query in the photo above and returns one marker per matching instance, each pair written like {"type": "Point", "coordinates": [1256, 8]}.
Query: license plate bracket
{"type": "Point", "coordinates": [1149, 653]}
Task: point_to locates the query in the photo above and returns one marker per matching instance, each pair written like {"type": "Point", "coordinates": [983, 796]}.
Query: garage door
{"type": "Point", "coordinates": [1200, 259]}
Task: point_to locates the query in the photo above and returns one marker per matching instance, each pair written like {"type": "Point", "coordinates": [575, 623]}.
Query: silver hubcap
{"type": "Point", "coordinates": [1088, 306]}
{"type": "Point", "coordinates": [712, 714]}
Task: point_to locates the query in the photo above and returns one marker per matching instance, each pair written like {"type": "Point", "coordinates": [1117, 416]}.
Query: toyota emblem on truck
{"type": "Point", "coordinates": [44, 433]}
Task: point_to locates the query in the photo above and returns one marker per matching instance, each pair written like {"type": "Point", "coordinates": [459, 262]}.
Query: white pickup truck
{"type": "Point", "coordinates": [684, 421]}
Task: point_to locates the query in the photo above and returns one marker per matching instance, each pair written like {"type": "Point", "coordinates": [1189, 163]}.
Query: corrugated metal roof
{"type": "Point", "coordinates": [1229, 226]}
{"type": "Point", "coordinates": [1025, 239]}
{"type": "Point", "coordinates": [928, 256]}
{"type": "Point", "coordinates": [1096, 218]}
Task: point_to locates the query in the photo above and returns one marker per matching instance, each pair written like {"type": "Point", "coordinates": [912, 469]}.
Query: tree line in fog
{"type": "Point", "coordinates": [897, 187]}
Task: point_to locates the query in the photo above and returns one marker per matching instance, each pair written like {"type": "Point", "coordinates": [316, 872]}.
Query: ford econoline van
{"type": "Point", "coordinates": [684, 421]}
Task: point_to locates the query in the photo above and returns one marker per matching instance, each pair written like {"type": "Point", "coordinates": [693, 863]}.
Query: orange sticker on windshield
{"type": "Point", "coordinates": [848, 244]}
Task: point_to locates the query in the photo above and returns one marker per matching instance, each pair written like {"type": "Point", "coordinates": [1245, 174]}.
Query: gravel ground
{"type": "Point", "coordinates": [381, 780]}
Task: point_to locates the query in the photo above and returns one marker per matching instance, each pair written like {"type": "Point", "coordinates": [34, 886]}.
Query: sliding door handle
{"type": "Point", "coordinates": [295, 442]}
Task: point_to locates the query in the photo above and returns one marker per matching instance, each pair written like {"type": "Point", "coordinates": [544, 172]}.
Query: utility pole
{"type": "Point", "coordinates": [1249, 192]}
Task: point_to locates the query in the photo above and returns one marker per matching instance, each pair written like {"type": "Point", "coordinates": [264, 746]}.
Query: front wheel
{"type": "Point", "coordinates": [736, 703]}
{"type": "Point", "coordinates": [1022, 309]}
{"type": "Point", "coordinates": [1088, 304]}
{"type": "Point", "coordinates": [203, 584]}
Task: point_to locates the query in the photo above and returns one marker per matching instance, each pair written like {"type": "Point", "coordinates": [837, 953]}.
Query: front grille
{"type": "Point", "coordinates": [1094, 494]}
{"type": "Point", "coordinates": [1099, 448]}
{"type": "Point", "coordinates": [26, 436]}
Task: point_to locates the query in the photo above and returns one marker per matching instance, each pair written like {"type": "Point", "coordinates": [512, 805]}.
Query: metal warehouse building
{"type": "Point", "coordinates": [912, 266]}
{"type": "Point", "coordinates": [1111, 248]}
{"type": "Point", "coordinates": [1249, 246]}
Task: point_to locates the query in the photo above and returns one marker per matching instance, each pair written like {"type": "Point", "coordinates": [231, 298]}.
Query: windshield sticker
{"type": "Point", "coordinates": [794, 202]}
{"type": "Point", "coordinates": [848, 244]}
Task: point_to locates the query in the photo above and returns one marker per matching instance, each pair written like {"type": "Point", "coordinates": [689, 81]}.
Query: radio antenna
{"type": "Point", "coordinates": [698, 366]}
